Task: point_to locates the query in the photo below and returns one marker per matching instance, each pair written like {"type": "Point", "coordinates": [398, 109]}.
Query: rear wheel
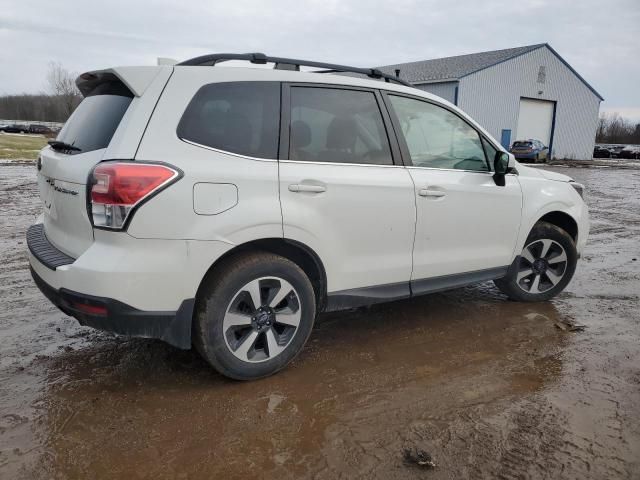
{"type": "Point", "coordinates": [254, 316]}
{"type": "Point", "coordinates": [544, 268]}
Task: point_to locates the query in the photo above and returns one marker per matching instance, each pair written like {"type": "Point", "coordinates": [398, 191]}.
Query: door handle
{"type": "Point", "coordinates": [427, 192]}
{"type": "Point", "coordinates": [307, 188]}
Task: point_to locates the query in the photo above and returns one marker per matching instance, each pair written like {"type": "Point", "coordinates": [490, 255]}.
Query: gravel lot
{"type": "Point", "coordinates": [490, 388]}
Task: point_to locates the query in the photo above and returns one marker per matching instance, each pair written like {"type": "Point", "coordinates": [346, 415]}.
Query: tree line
{"type": "Point", "coordinates": [616, 129]}
{"type": "Point", "coordinates": [54, 105]}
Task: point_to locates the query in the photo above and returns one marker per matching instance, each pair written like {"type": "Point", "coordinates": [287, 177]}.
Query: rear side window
{"type": "Point", "coordinates": [237, 117]}
{"type": "Point", "coordinates": [335, 125]}
{"type": "Point", "coordinates": [94, 122]}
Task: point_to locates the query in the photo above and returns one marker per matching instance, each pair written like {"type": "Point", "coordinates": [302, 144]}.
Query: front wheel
{"type": "Point", "coordinates": [544, 268]}
{"type": "Point", "coordinates": [254, 315]}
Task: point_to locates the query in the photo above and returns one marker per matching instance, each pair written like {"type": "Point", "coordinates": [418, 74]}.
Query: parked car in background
{"type": "Point", "coordinates": [530, 149]}
{"type": "Point", "coordinates": [15, 128]}
{"type": "Point", "coordinates": [615, 150]}
{"type": "Point", "coordinates": [630, 151]}
{"type": "Point", "coordinates": [602, 151]}
{"type": "Point", "coordinates": [40, 129]}
{"type": "Point", "coordinates": [225, 208]}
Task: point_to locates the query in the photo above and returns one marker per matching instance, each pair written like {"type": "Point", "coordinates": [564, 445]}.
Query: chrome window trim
{"type": "Point", "coordinates": [490, 172]}
{"type": "Point", "coordinates": [303, 162]}
{"type": "Point", "coordinates": [248, 157]}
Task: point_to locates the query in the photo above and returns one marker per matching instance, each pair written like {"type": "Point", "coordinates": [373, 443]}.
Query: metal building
{"type": "Point", "coordinates": [516, 94]}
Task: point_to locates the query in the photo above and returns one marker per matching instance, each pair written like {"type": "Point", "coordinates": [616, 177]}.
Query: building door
{"type": "Point", "coordinates": [535, 120]}
{"type": "Point", "coordinates": [505, 139]}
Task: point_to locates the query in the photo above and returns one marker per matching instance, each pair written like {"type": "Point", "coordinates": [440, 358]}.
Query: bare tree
{"type": "Point", "coordinates": [616, 129]}
{"type": "Point", "coordinates": [62, 85]}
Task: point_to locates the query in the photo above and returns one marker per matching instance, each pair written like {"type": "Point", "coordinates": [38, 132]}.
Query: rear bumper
{"type": "Point", "coordinates": [113, 316]}
{"type": "Point", "coordinates": [524, 156]}
{"type": "Point", "coordinates": [126, 285]}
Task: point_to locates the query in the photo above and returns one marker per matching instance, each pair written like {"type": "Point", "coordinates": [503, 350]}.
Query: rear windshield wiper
{"type": "Point", "coordinates": [63, 147]}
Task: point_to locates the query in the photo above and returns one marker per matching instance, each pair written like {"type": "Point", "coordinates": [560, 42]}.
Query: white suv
{"type": "Point", "coordinates": [226, 207]}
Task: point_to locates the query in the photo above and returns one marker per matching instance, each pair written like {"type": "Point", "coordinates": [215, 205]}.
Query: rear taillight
{"type": "Point", "coordinates": [117, 188]}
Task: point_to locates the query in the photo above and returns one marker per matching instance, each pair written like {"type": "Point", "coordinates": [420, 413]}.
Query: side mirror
{"type": "Point", "coordinates": [501, 164]}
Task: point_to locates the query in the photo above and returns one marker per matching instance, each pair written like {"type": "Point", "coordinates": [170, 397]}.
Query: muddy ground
{"type": "Point", "coordinates": [490, 388]}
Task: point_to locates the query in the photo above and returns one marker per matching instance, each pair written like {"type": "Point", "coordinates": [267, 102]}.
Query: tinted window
{"type": "Point", "coordinates": [94, 122]}
{"type": "Point", "coordinates": [333, 125]}
{"type": "Point", "coordinates": [239, 117]}
{"type": "Point", "coordinates": [438, 138]}
{"type": "Point", "coordinates": [521, 144]}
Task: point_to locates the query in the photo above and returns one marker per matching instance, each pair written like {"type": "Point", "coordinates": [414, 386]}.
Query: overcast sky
{"type": "Point", "coordinates": [599, 38]}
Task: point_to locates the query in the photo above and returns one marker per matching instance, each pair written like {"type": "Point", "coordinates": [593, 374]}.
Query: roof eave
{"type": "Point", "coordinates": [438, 80]}
{"type": "Point", "coordinates": [566, 64]}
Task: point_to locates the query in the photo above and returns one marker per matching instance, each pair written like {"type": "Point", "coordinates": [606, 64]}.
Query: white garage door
{"type": "Point", "coordinates": [535, 120]}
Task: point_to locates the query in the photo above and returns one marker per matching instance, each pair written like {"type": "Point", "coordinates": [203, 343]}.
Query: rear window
{"type": "Point", "coordinates": [237, 117]}
{"type": "Point", "coordinates": [521, 144]}
{"type": "Point", "coordinates": [94, 122]}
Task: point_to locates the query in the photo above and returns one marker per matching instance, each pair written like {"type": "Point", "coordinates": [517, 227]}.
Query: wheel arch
{"type": "Point", "coordinates": [561, 220]}
{"type": "Point", "coordinates": [300, 254]}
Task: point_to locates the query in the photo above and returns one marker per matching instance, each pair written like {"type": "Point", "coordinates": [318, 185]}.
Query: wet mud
{"type": "Point", "coordinates": [486, 387]}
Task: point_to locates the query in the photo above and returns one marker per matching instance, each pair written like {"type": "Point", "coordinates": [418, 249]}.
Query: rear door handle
{"type": "Point", "coordinates": [427, 192]}
{"type": "Point", "coordinates": [303, 187]}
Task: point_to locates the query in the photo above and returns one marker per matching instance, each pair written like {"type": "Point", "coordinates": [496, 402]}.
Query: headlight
{"type": "Point", "coordinates": [578, 187]}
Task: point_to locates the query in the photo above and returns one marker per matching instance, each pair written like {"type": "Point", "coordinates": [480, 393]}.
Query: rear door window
{"type": "Point", "coordinates": [94, 122]}
{"type": "Point", "coordinates": [236, 117]}
{"type": "Point", "coordinates": [337, 125]}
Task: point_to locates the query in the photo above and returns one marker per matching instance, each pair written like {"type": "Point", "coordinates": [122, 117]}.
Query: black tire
{"type": "Point", "coordinates": [510, 286]}
{"type": "Point", "coordinates": [537, 160]}
{"type": "Point", "coordinates": [223, 287]}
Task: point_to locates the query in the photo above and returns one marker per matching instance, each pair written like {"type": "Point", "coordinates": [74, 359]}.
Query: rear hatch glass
{"type": "Point", "coordinates": [94, 122]}
{"type": "Point", "coordinates": [64, 171]}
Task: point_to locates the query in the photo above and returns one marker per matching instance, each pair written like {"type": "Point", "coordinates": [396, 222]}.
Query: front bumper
{"type": "Point", "coordinates": [113, 316]}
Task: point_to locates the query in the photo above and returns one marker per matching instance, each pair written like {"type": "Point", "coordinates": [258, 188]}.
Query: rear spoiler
{"type": "Point", "coordinates": [129, 81]}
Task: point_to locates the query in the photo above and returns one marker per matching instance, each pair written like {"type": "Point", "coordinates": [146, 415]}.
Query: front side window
{"type": "Point", "coordinates": [437, 138]}
{"type": "Point", "coordinates": [334, 125]}
{"type": "Point", "coordinates": [237, 117]}
{"type": "Point", "coordinates": [490, 151]}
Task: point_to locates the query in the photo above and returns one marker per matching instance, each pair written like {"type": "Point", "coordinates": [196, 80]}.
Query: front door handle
{"type": "Point", "coordinates": [303, 187]}
{"type": "Point", "coordinates": [428, 192]}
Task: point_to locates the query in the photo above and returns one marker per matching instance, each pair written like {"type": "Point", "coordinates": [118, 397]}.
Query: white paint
{"type": "Point", "coordinates": [361, 225]}
{"type": "Point", "coordinates": [214, 198]}
{"type": "Point", "coordinates": [535, 119]}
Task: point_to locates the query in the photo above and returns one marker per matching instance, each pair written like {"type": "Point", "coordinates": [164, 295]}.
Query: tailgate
{"type": "Point", "coordinates": [62, 183]}
{"type": "Point", "coordinates": [63, 171]}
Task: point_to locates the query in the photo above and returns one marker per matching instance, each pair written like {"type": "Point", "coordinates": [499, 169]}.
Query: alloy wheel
{"type": "Point", "coordinates": [542, 266]}
{"type": "Point", "coordinates": [262, 319]}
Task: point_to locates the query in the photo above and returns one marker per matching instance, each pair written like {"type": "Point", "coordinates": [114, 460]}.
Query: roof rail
{"type": "Point", "coordinates": [289, 64]}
